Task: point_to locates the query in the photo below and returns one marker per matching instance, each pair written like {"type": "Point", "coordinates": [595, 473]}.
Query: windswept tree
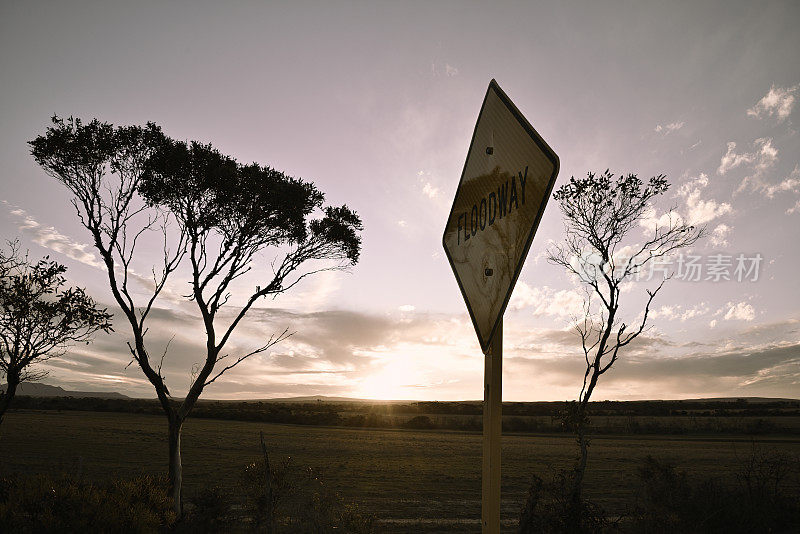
{"type": "Point", "coordinates": [601, 215]}
{"type": "Point", "coordinates": [39, 318]}
{"type": "Point", "coordinates": [227, 221]}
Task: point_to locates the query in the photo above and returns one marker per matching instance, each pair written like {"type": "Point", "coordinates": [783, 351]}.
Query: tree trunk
{"type": "Point", "coordinates": [576, 501]}
{"type": "Point", "coordinates": [580, 466]}
{"type": "Point", "coordinates": [7, 396]}
{"type": "Point", "coordinates": [175, 468]}
{"type": "Point", "coordinates": [270, 510]}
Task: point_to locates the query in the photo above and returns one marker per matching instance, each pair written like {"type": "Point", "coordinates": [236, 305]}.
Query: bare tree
{"type": "Point", "coordinates": [128, 181]}
{"type": "Point", "coordinates": [39, 318]}
{"type": "Point", "coordinates": [600, 215]}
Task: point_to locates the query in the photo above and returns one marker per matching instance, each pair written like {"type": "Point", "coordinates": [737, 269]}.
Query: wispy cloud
{"type": "Point", "coordinates": [719, 237]}
{"type": "Point", "coordinates": [669, 128]}
{"type": "Point", "coordinates": [681, 313]}
{"type": "Point", "coordinates": [761, 159]}
{"type": "Point", "coordinates": [698, 210]}
{"type": "Point", "coordinates": [731, 159]}
{"type": "Point", "coordinates": [547, 301]}
{"type": "Point", "coordinates": [739, 311]}
{"type": "Point", "coordinates": [49, 237]}
{"type": "Point", "coordinates": [430, 191]}
{"type": "Point", "coordinates": [446, 69]}
{"type": "Point", "coordinates": [778, 102]}
{"type": "Point", "coordinates": [790, 183]}
{"type": "Point", "coordinates": [406, 355]}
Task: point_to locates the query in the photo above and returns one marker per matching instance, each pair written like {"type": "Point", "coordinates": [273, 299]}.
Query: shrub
{"type": "Point", "coordinates": [419, 422]}
{"type": "Point", "coordinates": [548, 509]}
{"type": "Point", "coordinates": [42, 504]}
{"type": "Point", "coordinates": [302, 501]}
{"type": "Point", "coordinates": [763, 497]}
{"type": "Point", "coordinates": [209, 511]}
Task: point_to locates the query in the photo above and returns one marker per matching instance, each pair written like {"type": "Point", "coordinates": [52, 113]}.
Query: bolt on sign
{"type": "Point", "coordinates": [507, 178]}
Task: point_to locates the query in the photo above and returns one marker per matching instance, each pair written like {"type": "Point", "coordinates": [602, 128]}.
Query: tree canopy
{"type": "Point", "coordinates": [39, 317]}
{"type": "Point", "coordinates": [214, 214]}
{"type": "Point", "coordinates": [602, 249]}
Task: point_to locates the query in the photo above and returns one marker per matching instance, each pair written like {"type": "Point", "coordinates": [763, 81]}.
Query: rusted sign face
{"type": "Point", "coordinates": [507, 178]}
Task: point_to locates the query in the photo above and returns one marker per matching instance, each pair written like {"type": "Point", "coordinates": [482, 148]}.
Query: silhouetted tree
{"type": "Point", "coordinates": [600, 214]}
{"type": "Point", "coordinates": [221, 216]}
{"type": "Point", "coordinates": [39, 319]}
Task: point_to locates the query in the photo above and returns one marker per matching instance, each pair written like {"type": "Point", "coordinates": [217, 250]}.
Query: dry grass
{"type": "Point", "coordinates": [428, 480]}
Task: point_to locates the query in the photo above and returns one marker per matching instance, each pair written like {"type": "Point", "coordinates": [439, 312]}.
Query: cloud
{"type": "Point", "coordinates": [313, 292]}
{"type": "Point", "coordinates": [790, 183]}
{"type": "Point", "coordinates": [429, 190]}
{"type": "Point", "coordinates": [778, 102]}
{"type": "Point", "coordinates": [731, 159]}
{"type": "Point", "coordinates": [678, 312]}
{"type": "Point", "coordinates": [546, 301]}
{"type": "Point", "coordinates": [759, 161]}
{"type": "Point", "coordinates": [407, 308]}
{"type": "Point", "coordinates": [699, 211]}
{"type": "Point", "coordinates": [740, 311]}
{"type": "Point", "coordinates": [338, 352]}
{"type": "Point", "coordinates": [448, 70]}
{"type": "Point", "coordinates": [770, 371]}
{"type": "Point", "coordinates": [328, 348]}
{"type": "Point", "coordinates": [669, 128]}
{"type": "Point", "coordinates": [49, 237]}
{"type": "Point", "coordinates": [719, 237]}
{"type": "Point", "coordinates": [651, 219]}
{"type": "Point", "coordinates": [763, 157]}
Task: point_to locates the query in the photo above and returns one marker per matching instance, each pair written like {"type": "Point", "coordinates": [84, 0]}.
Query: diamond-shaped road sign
{"type": "Point", "coordinates": [507, 178]}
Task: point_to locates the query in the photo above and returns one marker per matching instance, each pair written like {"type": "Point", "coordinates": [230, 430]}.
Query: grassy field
{"type": "Point", "coordinates": [411, 480]}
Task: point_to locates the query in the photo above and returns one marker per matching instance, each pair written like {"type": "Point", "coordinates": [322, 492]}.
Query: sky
{"type": "Point", "coordinates": [375, 102]}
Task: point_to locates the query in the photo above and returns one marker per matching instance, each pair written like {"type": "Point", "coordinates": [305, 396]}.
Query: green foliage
{"type": "Point", "coordinates": [42, 504]}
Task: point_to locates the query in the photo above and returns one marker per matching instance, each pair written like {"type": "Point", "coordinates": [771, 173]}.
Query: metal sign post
{"type": "Point", "coordinates": [507, 178]}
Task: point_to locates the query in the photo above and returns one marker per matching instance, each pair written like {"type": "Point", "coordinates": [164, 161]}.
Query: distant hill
{"type": "Point", "coordinates": [323, 398]}
{"type": "Point", "coordinates": [753, 400]}
{"type": "Point", "coordinates": [33, 389]}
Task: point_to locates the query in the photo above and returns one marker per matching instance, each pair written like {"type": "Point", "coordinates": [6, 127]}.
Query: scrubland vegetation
{"type": "Point", "coordinates": [608, 417]}
{"type": "Point", "coordinates": [345, 479]}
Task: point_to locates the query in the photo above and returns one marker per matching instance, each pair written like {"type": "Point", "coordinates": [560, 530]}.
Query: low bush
{"type": "Point", "coordinates": [764, 496]}
{"type": "Point", "coordinates": [301, 502]}
{"type": "Point", "coordinates": [43, 504]}
{"type": "Point", "coordinates": [211, 510]}
{"type": "Point", "coordinates": [548, 510]}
